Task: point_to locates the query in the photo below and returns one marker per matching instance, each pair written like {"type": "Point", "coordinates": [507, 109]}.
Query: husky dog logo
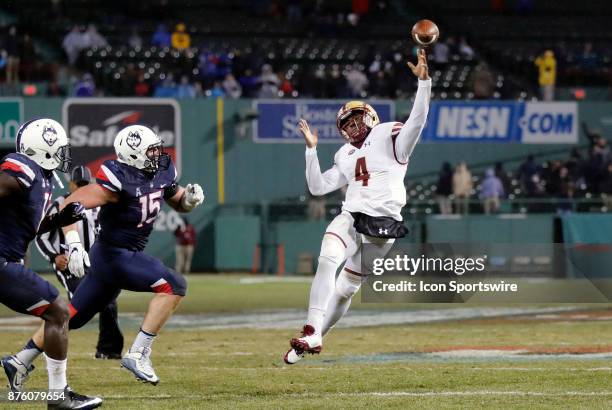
{"type": "Point", "coordinates": [133, 140]}
{"type": "Point", "coordinates": [49, 135]}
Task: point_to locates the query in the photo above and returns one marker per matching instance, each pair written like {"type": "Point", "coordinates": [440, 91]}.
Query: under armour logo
{"type": "Point", "coordinates": [138, 193]}
{"type": "Point", "coordinates": [382, 231]}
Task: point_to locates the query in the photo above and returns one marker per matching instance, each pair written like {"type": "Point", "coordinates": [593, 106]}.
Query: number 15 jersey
{"type": "Point", "coordinates": [129, 222]}
{"type": "Point", "coordinates": [375, 171]}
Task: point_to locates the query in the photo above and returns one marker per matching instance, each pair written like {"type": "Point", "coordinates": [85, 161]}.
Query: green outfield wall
{"type": "Point", "coordinates": [218, 152]}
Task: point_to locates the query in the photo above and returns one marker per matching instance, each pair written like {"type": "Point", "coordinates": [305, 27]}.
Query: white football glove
{"type": "Point", "coordinates": [78, 258]}
{"type": "Point", "coordinates": [194, 196]}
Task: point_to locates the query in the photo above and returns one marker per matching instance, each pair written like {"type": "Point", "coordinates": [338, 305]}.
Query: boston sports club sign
{"type": "Point", "coordinates": [277, 120]}
{"type": "Point", "coordinates": [92, 125]}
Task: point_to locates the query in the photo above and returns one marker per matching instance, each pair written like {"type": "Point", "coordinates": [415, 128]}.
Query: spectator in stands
{"type": "Point", "coordinates": [3, 61]}
{"type": "Point", "coordinates": [269, 82]}
{"type": "Point", "coordinates": [185, 89]}
{"type": "Point", "coordinates": [444, 189]}
{"type": "Point", "coordinates": [181, 40]}
{"type": "Point", "coordinates": [528, 177]}
{"type": "Point", "coordinates": [12, 47]}
{"type": "Point", "coordinates": [503, 176]}
{"type": "Point", "coordinates": [167, 88]}
{"type": "Point", "coordinates": [491, 190]}
{"type": "Point", "coordinates": [28, 58]}
{"type": "Point", "coordinates": [441, 55]}
{"type": "Point", "coordinates": [55, 90]}
{"type": "Point", "coordinates": [547, 68]}
{"type": "Point", "coordinates": [462, 188]}
{"type": "Point", "coordinates": [85, 87]}
{"type": "Point", "coordinates": [93, 39]}
{"type": "Point", "coordinates": [231, 86]}
{"type": "Point", "coordinates": [142, 87]}
{"type": "Point", "coordinates": [216, 90]}
{"type": "Point", "coordinates": [598, 144]}
{"type": "Point", "coordinates": [482, 82]}
{"type": "Point", "coordinates": [606, 188]}
{"type": "Point", "coordinates": [73, 44]}
{"type": "Point", "coordinates": [286, 87]}
{"type": "Point", "coordinates": [135, 41]}
{"type": "Point", "coordinates": [588, 58]}
{"type": "Point", "coordinates": [161, 37]}
{"type": "Point", "coordinates": [248, 81]}
{"type": "Point", "coordinates": [357, 82]}
{"type": "Point", "coordinates": [186, 238]}
{"type": "Point", "coordinates": [465, 50]}
{"type": "Point", "coordinates": [316, 207]}
{"type": "Point", "coordinates": [554, 179]}
{"type": "Point", "coordinates": [294, 10]}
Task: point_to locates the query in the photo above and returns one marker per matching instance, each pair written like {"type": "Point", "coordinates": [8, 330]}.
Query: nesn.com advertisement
{"type": "Point", "coordinates": [505, 122]}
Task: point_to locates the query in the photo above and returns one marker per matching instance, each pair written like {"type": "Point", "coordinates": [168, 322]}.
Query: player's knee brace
{"type": "Point", "coordinates": [332, 250]}
{"type": "Point", "coordinates": [347, 284]}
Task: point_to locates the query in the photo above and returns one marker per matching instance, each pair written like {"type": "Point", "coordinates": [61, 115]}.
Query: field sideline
{"type": "Point", "coordinates": [534, 360]}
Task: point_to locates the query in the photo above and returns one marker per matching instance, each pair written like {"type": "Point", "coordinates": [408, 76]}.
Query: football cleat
{"type": "Point", "coordinates": [139, 363]}
{"type": "Point", "coordinates": [293, 356]}
{"type": "Point", "coordinates": [17, 373]}
{"type": "Point", "coordinates": [73, 400]}
{"type": "Point", "coordinates": [108, 356]}
{"type": "Point", "coordinates": [310, 342]}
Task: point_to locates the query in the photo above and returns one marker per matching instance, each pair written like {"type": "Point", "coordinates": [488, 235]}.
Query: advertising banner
{"type": "Point", "coordinates": [92, 125]}
{"type": "Point", "coordinates": [503, 122]}
{"type": "Point", "coordinates": [278, 119]}
{"type": "Point", "coordinates": [11, 116]}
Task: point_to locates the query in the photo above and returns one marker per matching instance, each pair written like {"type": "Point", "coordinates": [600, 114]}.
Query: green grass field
{"type": "Point", "coordinates": [448, 364]}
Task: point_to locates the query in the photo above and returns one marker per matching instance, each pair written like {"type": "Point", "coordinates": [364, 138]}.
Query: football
{"type": "Point", "coordinates": [425, 33]}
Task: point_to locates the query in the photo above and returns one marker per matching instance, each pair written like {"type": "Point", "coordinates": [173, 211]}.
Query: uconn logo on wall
{"type": "Point", "coordinates": [92, 125]}
{"type": "Point", "coordinates": [493, 121]}
{"type": "Point", "coordinates": [277, 120]}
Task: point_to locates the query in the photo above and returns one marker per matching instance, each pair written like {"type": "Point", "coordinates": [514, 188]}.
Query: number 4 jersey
{"type": "Point", "coordinates": [129, 222]}
{"type": "Point", "coordinates": [375, 171]}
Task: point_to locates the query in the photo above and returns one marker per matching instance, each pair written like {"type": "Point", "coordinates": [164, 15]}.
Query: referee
{"type": "Point", "coordinates": [53, 245]}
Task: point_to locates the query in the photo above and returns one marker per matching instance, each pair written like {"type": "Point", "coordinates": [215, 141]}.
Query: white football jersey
{"type": "Point", "coordinates": [374, 172]}
{"type": "Point", "coordinates": [375, 176]}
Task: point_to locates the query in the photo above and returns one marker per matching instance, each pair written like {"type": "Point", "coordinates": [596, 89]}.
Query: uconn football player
{"type": "Point", "coordinates": [25, 190]}
{"type": "Point", "coordinates": [130, 191]}
{"type": "Point", "coordinates": [373, 164]}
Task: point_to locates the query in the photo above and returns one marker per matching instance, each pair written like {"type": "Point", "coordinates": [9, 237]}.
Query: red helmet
{"type": "Point", "coordinates": [363, 117]}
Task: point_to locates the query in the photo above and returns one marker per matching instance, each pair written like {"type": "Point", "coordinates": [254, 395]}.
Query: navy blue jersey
{"type": "Point", "coordinates": [128, 222]}
{"type": "Point", "coordinates": [22, 214]}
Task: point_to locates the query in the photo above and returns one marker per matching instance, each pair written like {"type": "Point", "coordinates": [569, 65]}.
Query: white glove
{"type": "Point", "coordinates": [194, 196]}
{"type": "Point", "coordinates": [78, 258]}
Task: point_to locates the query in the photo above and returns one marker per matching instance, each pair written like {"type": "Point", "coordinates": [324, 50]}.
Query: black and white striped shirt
{"type": "Point", "coordinates": [50, 244]}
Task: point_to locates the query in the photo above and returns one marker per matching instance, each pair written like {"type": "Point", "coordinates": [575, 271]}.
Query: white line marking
{"type": "Point", "coordinates": [381, 394]}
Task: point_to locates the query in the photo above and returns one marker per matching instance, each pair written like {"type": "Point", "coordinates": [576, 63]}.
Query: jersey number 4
{"type": "Point", "coordinates": [150, 205]}
{"type": "Point", "coordinates": [361, 171]}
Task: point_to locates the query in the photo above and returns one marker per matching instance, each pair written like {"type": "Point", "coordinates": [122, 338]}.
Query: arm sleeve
{"type": "Point", "coordinates": [47, 242]}
{"type": "Point", "coordinates": [408, 135]}
{"type": "Point", "coordinates": [322, 183]}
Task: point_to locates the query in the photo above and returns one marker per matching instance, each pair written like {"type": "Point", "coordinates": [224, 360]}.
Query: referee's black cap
{"type": "Point", "coordinates": [81, 175]}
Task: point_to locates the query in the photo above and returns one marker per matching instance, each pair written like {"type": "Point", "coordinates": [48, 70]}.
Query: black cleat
{"type": "Point", "coordinates": [108, 356]}
{"type": "Point", "coordinates": [72, 400]}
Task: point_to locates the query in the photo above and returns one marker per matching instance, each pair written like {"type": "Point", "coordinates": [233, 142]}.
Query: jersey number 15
{"type": "Point", "coordinates": [150, 206]}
